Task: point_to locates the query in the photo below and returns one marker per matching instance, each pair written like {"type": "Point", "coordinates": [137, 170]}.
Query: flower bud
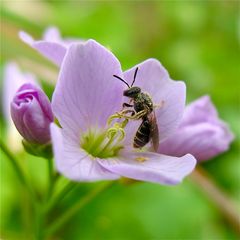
{"type": "Point", "coordinates": [32, 114]}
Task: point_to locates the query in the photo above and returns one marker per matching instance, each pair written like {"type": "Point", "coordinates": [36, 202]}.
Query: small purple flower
{"type": "Point", "coordinates": [200, 133]}
{"type": "Point", "coordinates": [86, 96]}
{"type": "Point", "coordinates": [13, 79]}
{"type": "Point", "coordinates": [52, 46]}
{"type": "Point", "coordinates": [31, 113]}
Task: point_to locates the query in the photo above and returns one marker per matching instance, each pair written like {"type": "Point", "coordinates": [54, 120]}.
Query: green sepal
{"type": "Point", "coordinates": [39, 150]}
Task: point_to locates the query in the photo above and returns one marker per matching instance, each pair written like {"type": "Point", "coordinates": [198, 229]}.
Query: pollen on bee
{"type": "Point", "coordinates": [141, 159]}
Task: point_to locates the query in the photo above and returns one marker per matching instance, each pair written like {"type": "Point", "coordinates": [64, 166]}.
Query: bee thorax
{"type": "Point", "coordinates": [142, 102]}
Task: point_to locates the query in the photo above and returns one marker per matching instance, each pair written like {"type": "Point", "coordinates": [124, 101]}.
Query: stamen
{"type": "Point", "coordinates": [105, 144]}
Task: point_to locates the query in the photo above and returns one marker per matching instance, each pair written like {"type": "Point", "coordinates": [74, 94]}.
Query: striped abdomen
{"type": "Point", "coordinates": [142, 136]}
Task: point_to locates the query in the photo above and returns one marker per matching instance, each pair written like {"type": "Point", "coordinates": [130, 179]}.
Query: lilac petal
{"type": "Point", "coordinates": [52, 34]}
{"type": "Point", "coordinates": [13, 79]}
{"type": "Point", "coordinates": [157, 168]}
{"type": "Point", "coordinates": [54, 51]}
{"type": "Point", "coordinates": [73, 162]}
{"type": "Point", "coordinates": [201, 110]}
{"type": "Point", "coordinates": [85, 97]}
{"type": "Point", "coordinates": [203, 141]}
{"type": "Point", "coordinates": [201, 133]}
{"type": "Point", "coordinates": [32, 116]}
{"type": "Point", "coordinates": [41, 97]}
{"type": "Point", "coordinates": [153, 78]}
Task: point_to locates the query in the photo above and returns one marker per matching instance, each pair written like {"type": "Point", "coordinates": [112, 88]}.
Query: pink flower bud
{"type": "Point", "coordinates": [32, 114]}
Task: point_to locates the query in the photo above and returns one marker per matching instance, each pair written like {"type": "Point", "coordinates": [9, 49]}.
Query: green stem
{"type": "Point", "coordinates": [39, 224]}
{"type": "Point", "coordinates": [18, 170]}
{"type": "Point", "coordinates": [49, 205]}
{"type": "Point", "coordinates": [41, 211]}
{"type": "Point", "coordinates": [219, 198]}
{"type": "Point", "coordinates": [55, 200]}
{"type": "Point", "coordinates": [51, 178]}
{"type": "Point", "coordinates": [76, 207]}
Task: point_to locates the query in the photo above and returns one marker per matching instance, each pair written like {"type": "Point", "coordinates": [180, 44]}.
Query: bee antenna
{"type": "Point", "coordinates": [121, 80]}
{"type": "Point", "coordinates": [134, 78]}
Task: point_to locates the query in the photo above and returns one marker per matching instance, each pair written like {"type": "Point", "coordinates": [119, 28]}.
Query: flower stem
{"type": "Point", "coordinates": [51, 178]}
{"type": "Point", "coordinates": [54, 200]}
{"type": "Point", "coordinates": [18, 170]}
{"type": "Point", "coordinates": [218, 197]}
{"type": "Point", "coordinates": [76, 207]}
{"type": "Point", "coordinates": [39, 224]}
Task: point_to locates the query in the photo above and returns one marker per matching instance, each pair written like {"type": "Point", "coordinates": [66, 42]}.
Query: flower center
{"type": "Point", "coordinates": [104, 144]}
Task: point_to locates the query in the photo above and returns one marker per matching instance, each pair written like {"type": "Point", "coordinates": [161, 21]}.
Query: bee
{"type": "Point", "coordinates": [144, 110]}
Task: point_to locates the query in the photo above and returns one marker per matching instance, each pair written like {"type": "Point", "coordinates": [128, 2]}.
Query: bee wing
{"type": "Point", "coordinates": [154, 132]}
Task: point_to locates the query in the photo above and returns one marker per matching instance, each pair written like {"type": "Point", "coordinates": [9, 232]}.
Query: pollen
{"type": "Point", "coordinates": [141, 159]}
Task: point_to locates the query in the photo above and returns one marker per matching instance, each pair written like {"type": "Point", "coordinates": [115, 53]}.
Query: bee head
{"type": "Point", "coordinates": [132, 92]}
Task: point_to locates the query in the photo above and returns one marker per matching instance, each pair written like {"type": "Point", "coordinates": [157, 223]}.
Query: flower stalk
{"type": "Point", "coordinates": [18, 171]}
{"type": "Point", "coordinates": [51, 176]}
{"type": "Point", "coordinates": [56, 198]}
{"type": "Point", "coordinates": [219, 198]}
{"type": "Point", "coordinates": [76, 208]}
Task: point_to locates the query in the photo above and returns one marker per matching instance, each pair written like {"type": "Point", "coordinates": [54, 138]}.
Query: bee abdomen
{"type": "Point", "coordinates": [142, 136]}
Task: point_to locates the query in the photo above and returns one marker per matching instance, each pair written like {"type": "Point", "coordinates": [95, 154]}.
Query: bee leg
{"type": "Point", "coordinates": [140, 114]}
{"type": "Point", "coordinates": [126, 111]}
{"type": "Point", "coordinates": [132, 112]}
{"type": "Point", "coordinates": [134, 116]}
{"type": "Point", "coordinates": [123, 114]}
{"type": "Point", "coordinates": [126, 105]}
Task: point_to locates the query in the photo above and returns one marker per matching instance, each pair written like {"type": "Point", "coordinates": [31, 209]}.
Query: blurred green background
{"type": "Point", "coordinates": [198, 42]}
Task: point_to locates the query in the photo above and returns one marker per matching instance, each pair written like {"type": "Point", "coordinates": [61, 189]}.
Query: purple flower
{"type": "Point", "coordinates": [13, 78]}
{"type": "Point", "coordinates": [52, 46]}
{"type": "Point", "coordinates": [31, 113]}
{"type": "Point", "coordinates": [12, 81]}
{"type": "Point", "coordinates": [200, 133]}
{"type": "Point", "coordinates": [86, 96]}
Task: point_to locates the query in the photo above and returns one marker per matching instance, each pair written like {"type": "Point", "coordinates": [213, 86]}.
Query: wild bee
{"type": "Point", "coordinates": [143, 109]}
